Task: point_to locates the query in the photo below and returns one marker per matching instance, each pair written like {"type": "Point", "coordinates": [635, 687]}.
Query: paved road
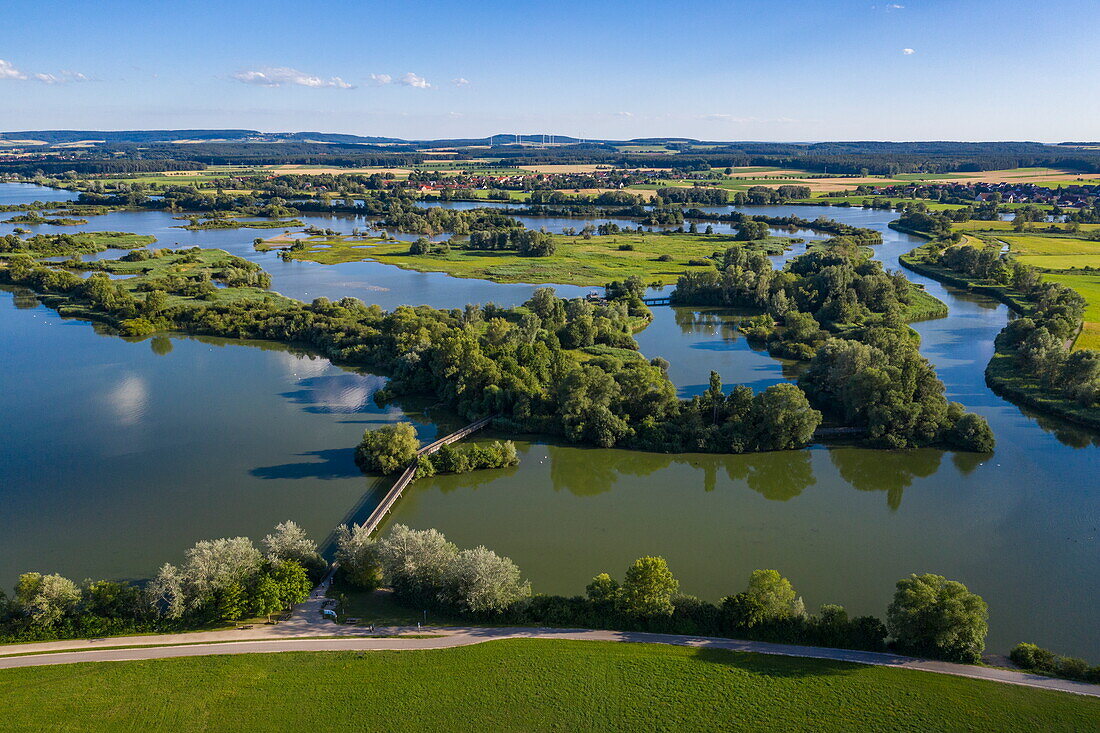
{"type": "Point", "coordinates": [276, 639]}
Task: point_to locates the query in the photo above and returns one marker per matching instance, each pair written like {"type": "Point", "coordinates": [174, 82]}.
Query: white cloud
{"type": "Point", "coordinates": [9, 71]}
{"type": "Point", "coordinates": [278, 76]}
{"type": "Point", "coordinates": [624, 114]}
{"type": "Point", "coordinates": [63, 77]}
{"type": "Point", "coordinates": [410, 79]}
{"type": "Point", "coordinates": [461, 82]}
{"type": "Point", "coordinates": [895, 6]}
{"type": "Point", "coordinates": [908, 51]}
{"type": "Point", "coordinates": [380, 80]}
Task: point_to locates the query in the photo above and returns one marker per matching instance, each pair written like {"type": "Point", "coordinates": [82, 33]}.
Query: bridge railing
{"type": "Point", "coordinates": [409, 474]}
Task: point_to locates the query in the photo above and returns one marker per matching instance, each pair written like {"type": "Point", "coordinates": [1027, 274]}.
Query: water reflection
{"type": "Point", "coordinates": [161, 345]}
{"type": "Point", "coordinates": [598, 470]}
{"type": "Point", "coordinates": [775, 476]}
{"type": "Point", "coordinates": [892, 471]}
{"type": "Point", "coordinates": [128, 400]}
{"type": "Point", "coordinates": [710, 322]}
{"type": "Point", "coordinates": [23, 299]}
{"type": "Point", "coordinates": [339, 393]}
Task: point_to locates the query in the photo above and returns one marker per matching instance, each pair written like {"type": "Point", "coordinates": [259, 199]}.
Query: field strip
{"type": "Point", "coordinates": [473, 635]}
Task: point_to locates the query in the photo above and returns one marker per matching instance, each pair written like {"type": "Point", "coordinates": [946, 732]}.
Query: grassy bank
{"type": "Point", "coordinates": [576, 261]}
{"type": "Point", "coordinates": [523, 685]}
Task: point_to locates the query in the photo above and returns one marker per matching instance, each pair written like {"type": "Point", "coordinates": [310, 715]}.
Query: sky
{"type": "Point", "coordinates": [782, 70]}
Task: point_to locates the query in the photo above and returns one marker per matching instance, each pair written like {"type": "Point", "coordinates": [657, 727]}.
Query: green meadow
{"type": "Point", "coordinates": [522, 685]}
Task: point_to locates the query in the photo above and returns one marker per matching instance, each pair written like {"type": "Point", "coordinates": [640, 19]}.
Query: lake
{"type": "Point", "coordinates": [120, 454]}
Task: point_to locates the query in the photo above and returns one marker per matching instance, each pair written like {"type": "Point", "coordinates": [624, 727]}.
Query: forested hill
{"type": "Point", "coordinates": [62, 148]}
{"type": "Point", "coordinates": [61, 137]}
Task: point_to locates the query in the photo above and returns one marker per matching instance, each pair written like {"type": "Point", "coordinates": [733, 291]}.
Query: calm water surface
{"type": "Point", "coordinates": [119, 455]}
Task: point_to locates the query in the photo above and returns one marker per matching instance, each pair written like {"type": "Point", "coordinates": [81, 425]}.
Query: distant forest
{"type": "Point", "coordinates": [138, 151]}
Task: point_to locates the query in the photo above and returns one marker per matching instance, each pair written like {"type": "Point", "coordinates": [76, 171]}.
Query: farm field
{"type": "Point", "coordinates": [1057, 255]}
{"type": "Point", "coordinates": [1053, 252]}
{"type": "Point", "coordinates": [523, 685]}
{"type": "Point", "coordinates": [1088, 285]}
{"type": "Point", "coordinates": [1008, 227]}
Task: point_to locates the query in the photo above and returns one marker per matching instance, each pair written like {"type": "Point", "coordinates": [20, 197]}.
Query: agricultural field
{"type": "Point", "coordinates": [523, 685]}
{"type": "Point", "coordinates": [1088, 285]}
{"type": "Point", "coordinates": [577, 261]}
{"type": "Point", "coordinates": [1060, 256]}
{"type": "Point", "coordinates": [1049, 252]}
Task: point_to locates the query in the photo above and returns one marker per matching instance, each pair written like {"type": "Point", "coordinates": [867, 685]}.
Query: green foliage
{"type": "Point", "coordinates": [936, 617]}
{"type": "Point", "coordinates": [424, 568]}
{"type": "Point", "coordinates": [358, 557]}
{"type": "Point", "coordinates": [221, 581]}
{"type": "Point", "coordinates": [648, 588]}
{"type": "Point", "coordinates": [464, 457]}
{"type": "Point", "coordinates": [387, 450]}
{"type": "Point", "coordinates": [1032, 657]}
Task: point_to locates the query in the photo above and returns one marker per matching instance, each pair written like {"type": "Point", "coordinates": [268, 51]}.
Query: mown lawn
{"type": "Point", "coordinates": [522, 685]}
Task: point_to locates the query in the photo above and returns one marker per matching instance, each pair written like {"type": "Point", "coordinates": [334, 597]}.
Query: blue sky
{"type": "Point", "coordinates": [732, 70]}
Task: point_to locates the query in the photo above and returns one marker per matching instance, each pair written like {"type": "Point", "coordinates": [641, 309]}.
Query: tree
{"type": "Point", "coordinates": [387, 450]}
{"type": "Point", "coordinates": [414, 562]}
{"type": "Point", "coordinates": [750, 229]}
{"type": "Point", "coordinates": [603, 589]}
{"type": "Point", "coordinates": [291, 582]}
{"type": "Point", "coordinates": [782, 418]}
{"type": "Point", "coordinates": [265, 597]}
{"type": "Point", "coordinates": [648, 588]}
{"type": "Point", "coordinates": [769, 596]}
{"type": "Point", "coordinates": [936, 617]}
{"type": "Point", "coordinates": [46, 598]}
{"type": "Point", "coordinates": [230, 601]}
{"type": "Point", "coordinates": [358, 556]}
{"type": "Point", "coordinates": [290, 542]}
{"type": "Point", "coordinates": [480, 581]}
{"type": "Point", "coordinates": [164, 594]}
{"type": "Point", "coordinates": [214, 565]}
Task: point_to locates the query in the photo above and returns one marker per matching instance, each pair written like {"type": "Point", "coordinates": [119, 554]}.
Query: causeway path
{"type": "Point", "coordinates": [303, 634]}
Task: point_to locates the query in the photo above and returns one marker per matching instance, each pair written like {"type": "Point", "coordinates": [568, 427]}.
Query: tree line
{"type": "Point", "coordinates": [220, 581]}
{"type": "Point", "coordinates": [929, 616]}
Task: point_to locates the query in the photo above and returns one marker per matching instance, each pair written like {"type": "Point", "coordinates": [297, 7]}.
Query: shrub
{"type": "Point", "coordinates": [388, 449]}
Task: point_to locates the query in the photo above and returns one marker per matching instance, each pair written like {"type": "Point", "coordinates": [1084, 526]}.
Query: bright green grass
{"type": "Point", "coordinates": [1007, 226]}
{"type": "Point", "coordinates": [1049, 252]}
{"type": "Point", "coordinates": [1038, 244]}
{"type": "Point", "coordinates": [577, 261]}
{"type": "Point", "coordinates": [1089, 287]}
{"type": "Point", "coordinates": [522, 685]}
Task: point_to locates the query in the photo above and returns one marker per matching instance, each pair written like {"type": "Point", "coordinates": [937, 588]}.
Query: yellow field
{"type": "Point", "coordinates": [565, 168]}
{"type": "Point", "coordinates": [317, 170]}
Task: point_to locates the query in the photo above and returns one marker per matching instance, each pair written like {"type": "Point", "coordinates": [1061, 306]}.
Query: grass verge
{"type": "Point", "coordinates": [522, 685]}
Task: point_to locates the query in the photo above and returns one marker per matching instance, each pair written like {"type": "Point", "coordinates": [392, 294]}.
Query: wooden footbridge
{"type": "Point", "coordinates": [409, 474]}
